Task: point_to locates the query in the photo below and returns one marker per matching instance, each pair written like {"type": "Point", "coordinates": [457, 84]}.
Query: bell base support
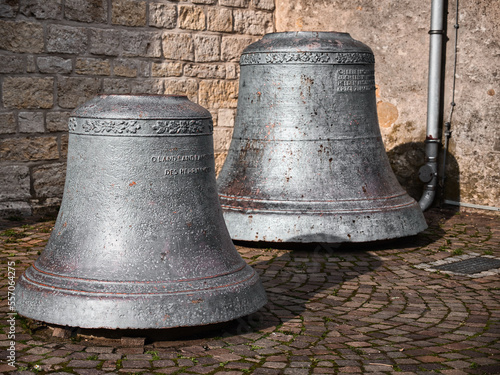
{"type": "Point", "coordinates": [222, 299]}
{"type": "Point", "coordinates": [331, 227]}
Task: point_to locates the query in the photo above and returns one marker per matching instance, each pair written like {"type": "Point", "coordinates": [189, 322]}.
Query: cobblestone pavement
{"type": "Point", "coordinates": [367, 308]}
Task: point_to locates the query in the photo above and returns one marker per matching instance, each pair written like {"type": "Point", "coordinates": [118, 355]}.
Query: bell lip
{"type": "Point", "coordinates": [307, 41]}
{"type": "Point", "coordinates": [328, 228]}
{"type": "Point", "coordinates": [186, 309]}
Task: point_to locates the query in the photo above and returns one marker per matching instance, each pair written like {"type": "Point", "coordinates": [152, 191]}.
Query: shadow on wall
{"type": "Point", "coordinates": [406, 160]}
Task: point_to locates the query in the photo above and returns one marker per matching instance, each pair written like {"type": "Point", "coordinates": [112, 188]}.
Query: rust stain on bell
{"type": "Point", "coordinates": [143, 242]}
{"type": "Point", "coordinates": [320, 172]}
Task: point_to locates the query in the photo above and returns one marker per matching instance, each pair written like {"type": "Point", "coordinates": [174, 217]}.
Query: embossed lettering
{"type": "Point", "coordinates": [355, 80]}
{"type": "Point", "coordinates": [171, 158]}
{"type": "Point", "coordinates": [194, 170]}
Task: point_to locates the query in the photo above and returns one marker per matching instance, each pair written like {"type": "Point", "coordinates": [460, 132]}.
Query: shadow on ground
{"type": "Point", "coordinates": [292, 277]}
{"type": "Point", "coordinates": [292, 274]}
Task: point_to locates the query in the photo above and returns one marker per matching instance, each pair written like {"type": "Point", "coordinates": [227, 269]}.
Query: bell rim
{"type": "Point", "coordinates": [142, 311]}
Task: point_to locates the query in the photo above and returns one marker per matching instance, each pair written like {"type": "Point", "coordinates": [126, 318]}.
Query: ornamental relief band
{"type": "Point", "coordinates": [307, 58]}
{"type": "Point", "coordinates": [176, 127]}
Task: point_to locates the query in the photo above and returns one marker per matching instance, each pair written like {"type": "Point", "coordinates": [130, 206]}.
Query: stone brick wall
{"type": "Point", "coordinates": [56, 54]}
{"type": "Point", "coordinates": [397, 31]}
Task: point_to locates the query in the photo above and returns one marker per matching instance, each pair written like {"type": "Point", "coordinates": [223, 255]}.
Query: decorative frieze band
{"type": "Point", "coordinates": [307, 58]}
{"type": "Point", "coordinates": [140, 127]}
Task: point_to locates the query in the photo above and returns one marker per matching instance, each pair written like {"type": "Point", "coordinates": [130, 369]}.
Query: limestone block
{"type": "Point", "coordinates": [64, 146]}
{"type": "Point", "coordinates": [31, 122]}
{"type": "Point", "coordinates": [222, 138]}
{"type": "Point", "coordinates": [182, 86]}
{"type": "Point", "coordinates": [30, 64]}
{"type": "Point", "coordinates": [226, 117]}
{"type": "Point", "coordinates": [147, 86]}
{"type": "Point", "coordinates": [21, 36]}
{"type": "Point", "coordinates": [116, 86]}
{"type": "Point", "coordinates": [166, 69]}
{"type": "Point", "coordinates": [8, 10]}
{"type": "Point", "coordinates": [215, 114]}
{"type": "Point", "coordinates": [86, 11]}
{"type": "Point", "coordinates": [263, 4]}
{"type": "Point", "coordinates": [220, 19]}
{"type": "Point", "coordinates": [178, 46]}
{"type": "Point", "coordinates": [105, 42]}
{"type": "Point", "coordinates": [191, 17]}
{"type": "Point", "coordinates": [131, 68]}
{"type": "Point", "coordinates": [141, 43]}
{"type": "Point", "coordinates": [220, 157]}
{"type": "Point", "coordinates": [218, 94]}
{"type": "Point", "coordinates": [205, 70]}
{"type": "Point", "coordinates": [387, 114]}
{"type": "Point", "coordinates": [66, 39]}
{"type": "Point", "coordinates": [206, 48]}
{"type": "Point", "coordinates": [128, 13]}
{"type": "Point", "coordinates": [29, 149]}
{"type": "Point", "coordinates": [15, 182]}
{"type": "Point", "coordinates": [45, 206]}
{"type": "Point", "coordinates": [233, 46]}
{"type": "Point", "coordinates": [17, 208]}
{"type": "Point", "coordinates": [203, 1]}
{"type": "Point", "coordinates": [125, 68]}
{"type": "Point", "coordinates": [232, 71]}
{"type": "Point", "coordinates": [235, 3]}
{"type": "Point", "coordinates": [57, 121]}
{"type": "Point", "coordinates": [252, 22]}
{"type": "Point", "coordinates": [41, 9]}
{"type": "Point", "coordinates": [7, 123]}
{"type": "Point", "coordinates": [89, 66]}
{"type": "Point", "coordinates": [54, 64]}
{"type": "Point", "coordinates": [12, 64]}
{"type": "Point", "coordinates": [162, 15]}
{"type": "Point", "coordinates": [28, 92]}
{"type": "Point", "coordinates": [48, 180]}
{"type": "Point", "coordinates": [73, 91]}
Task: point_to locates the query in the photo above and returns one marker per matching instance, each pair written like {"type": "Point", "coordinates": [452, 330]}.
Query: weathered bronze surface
{"type": "Point", "coordinates": [140, 241]}
{"type": "Point", "coordinates": [306, 161]}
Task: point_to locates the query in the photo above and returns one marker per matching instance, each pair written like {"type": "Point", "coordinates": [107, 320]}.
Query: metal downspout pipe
{"type": "Point", "coordinates": [429, 171]}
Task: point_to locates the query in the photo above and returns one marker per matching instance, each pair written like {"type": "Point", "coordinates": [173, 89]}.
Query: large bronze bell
{"type": "Point", "coordinates": [140, 241]}
{"type": "Point", "coordinates": [306, 161]}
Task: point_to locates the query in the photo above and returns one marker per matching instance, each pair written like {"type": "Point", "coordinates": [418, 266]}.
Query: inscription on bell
{"type": "Point", "coordinates": [170, 158]}
{"type": "Point", "coordinates": [183, 158]}
{"type": "Point", "coordinates": [186, 171]}
{"type": "Point", "coordinates": [355, 80]}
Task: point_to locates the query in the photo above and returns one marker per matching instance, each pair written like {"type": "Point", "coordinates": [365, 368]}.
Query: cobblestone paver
{"type": "Point", "coordinates": [353, 309]}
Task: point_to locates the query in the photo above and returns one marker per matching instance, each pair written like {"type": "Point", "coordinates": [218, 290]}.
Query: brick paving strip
{"type": "Point", "coordinates": [364, 308]}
